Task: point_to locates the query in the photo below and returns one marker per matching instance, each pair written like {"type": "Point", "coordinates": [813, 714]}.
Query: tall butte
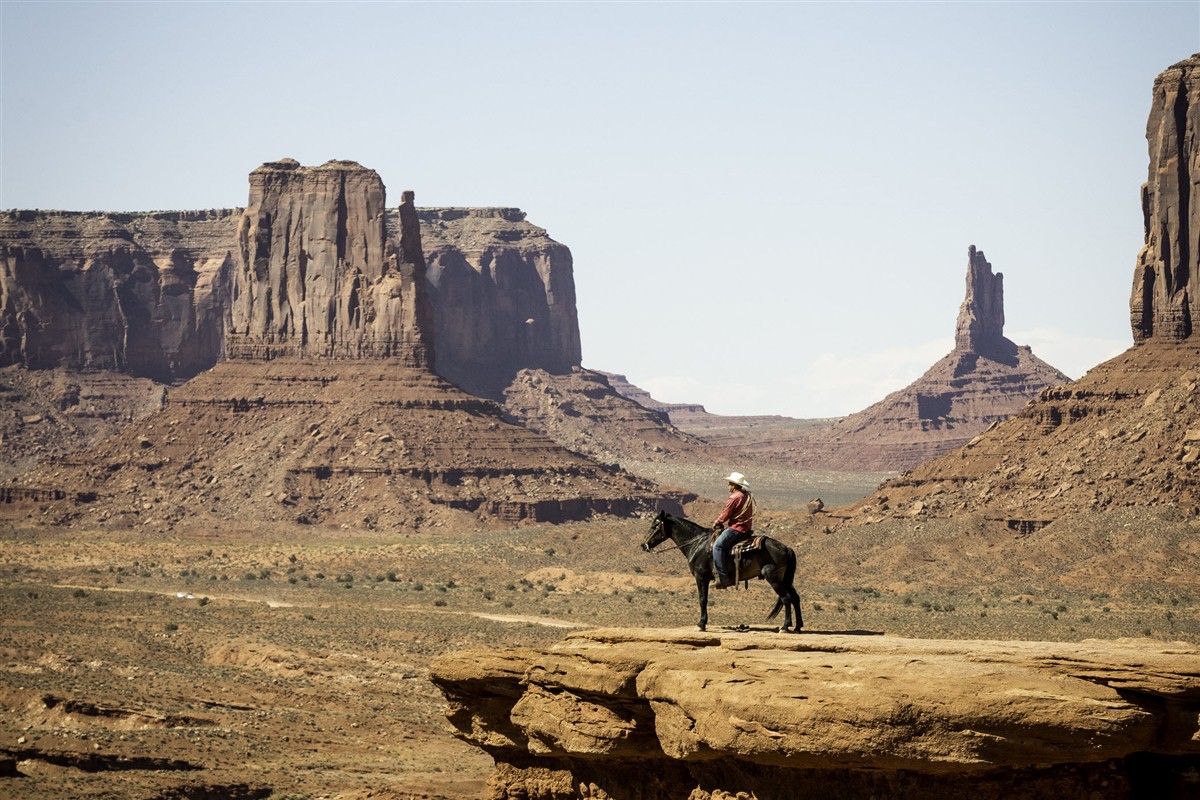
{"type": "Point", "coordinates": [318, 274]}
{"type": "Point", "coordinates": [984, 380]}
{"type": "Point", "coordinates": [325, 408]}
{"type": "Point", "coordinates": [1127, 434]}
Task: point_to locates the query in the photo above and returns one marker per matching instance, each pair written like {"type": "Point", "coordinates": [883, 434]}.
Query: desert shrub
{"type": "Point", "coordinates": [439, 602]}
{"type": "Point", "coordinates": [170, 627]}
{"type": "Point", "coordinates": [79, 593]}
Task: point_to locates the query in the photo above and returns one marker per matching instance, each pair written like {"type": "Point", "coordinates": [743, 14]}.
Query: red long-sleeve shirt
{"type": "Point", "coordinates": [738, 513]}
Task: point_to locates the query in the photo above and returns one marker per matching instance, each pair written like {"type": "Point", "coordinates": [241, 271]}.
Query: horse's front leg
{"type": "Point", "coordinates": [702, 592]}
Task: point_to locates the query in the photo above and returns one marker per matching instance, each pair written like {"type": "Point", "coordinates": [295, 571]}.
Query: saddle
{"type": "Point", "coordinates": [742, 549]}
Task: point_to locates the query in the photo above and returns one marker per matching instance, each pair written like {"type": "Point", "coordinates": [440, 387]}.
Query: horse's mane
{"type": "Point", "coordinates": [694, 528]}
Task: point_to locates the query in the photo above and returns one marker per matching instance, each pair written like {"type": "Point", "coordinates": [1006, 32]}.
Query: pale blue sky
{"type": "Point", "coordinates": [769, 204]}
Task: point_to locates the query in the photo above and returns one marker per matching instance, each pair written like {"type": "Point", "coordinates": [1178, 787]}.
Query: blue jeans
{"type": "Point", "coordinates": [725, 541]}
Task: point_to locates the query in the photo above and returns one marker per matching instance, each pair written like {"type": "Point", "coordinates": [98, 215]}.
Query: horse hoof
{"type": "Point", "coordinates": [699, 627]}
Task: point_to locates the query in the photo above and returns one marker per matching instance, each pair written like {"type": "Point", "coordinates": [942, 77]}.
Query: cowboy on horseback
{"type": "Point", "coordinates": [734, 524]}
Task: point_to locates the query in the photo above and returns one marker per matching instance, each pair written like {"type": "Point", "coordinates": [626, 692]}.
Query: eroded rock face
{"type": "Point", "coordinates": [318, 274]}
{"type": "Point", "coordinates": [584, 413]}
{"type": "Point", "coordinates": [667, 714]}
{"type": "Point", "coordinates": [367, 444]}
{"type": "Point", "coordinates": [984, 380]}
{"type": "Point", "coordinates": [980, 326]}
{"type": "Point", "coordinates": [143, 294]}
{"type": "Point", "coordinates": [1125, 434]}
{"type": "Point", "coordinates": [503, 297]}
{"type": "Point", "coordinates": [316, 265]}
{"type": "Point", "coordinates": [1165, 303]}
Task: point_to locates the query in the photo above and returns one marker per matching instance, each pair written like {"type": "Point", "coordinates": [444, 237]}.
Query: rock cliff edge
{"type": "Point", "coordinates": [622, 713]}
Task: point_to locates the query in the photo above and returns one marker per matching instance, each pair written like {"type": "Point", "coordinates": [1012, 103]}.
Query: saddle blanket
{"type": "Point", "coordinates": [753, 543]}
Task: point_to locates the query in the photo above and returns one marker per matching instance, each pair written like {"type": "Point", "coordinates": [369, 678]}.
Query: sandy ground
{"type": "Point", "coordinates": [293, 662]}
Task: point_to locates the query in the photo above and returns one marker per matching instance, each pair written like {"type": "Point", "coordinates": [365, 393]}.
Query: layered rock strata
{"type": "Point", "coordinates": [325, 409]}
{"type": "Point", "coordinates": [50, 413]}
{"type": "Point", "coordinates": [985, 379]}
{"type": "Point", "coordinates": [142, 294]}
{"type": "Point", "coordinates": [503, 297]}
{"type": "Point", "coordinates": [583, 412]}
{"type": "Point", "coordinates": [318, 274]}
{"type": "Point", "coordinates": [1165, 302]}
{"type": "Point", "coordinates": [1128, 432]}
{"type": "Point", "coordinates": [376, 446]}
{"type": "Point", "coordinates": [652, 714]}
{"type": "Point", "coordinates": [314, 266]}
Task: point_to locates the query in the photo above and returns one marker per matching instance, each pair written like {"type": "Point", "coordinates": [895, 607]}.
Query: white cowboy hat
{"type": "Point", "coordinates": [738, 479]}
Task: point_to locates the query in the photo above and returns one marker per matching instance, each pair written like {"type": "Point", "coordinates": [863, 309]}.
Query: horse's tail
{"type": "Point", "coordinates": [789, 575]}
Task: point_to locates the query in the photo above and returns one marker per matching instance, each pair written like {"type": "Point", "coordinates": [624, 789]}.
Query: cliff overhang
{"type": "Point", "coordinates": [619, 713]}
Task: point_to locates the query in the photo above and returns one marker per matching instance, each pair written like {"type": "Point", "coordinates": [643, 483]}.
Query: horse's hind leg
{"type": "Point", "coordinates": [702, 592]}
{"type": "Point", "coordinates": [795, 600]}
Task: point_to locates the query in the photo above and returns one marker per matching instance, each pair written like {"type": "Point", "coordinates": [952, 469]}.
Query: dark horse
{"type": "Point", "coordinates": [774, 562]}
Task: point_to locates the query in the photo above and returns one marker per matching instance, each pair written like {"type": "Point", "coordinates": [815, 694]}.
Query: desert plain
{"type": "Point", "coordinates": [289, 661]}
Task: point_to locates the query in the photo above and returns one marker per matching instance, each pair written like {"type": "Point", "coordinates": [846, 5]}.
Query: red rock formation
{"type": "Point", "coordinates": [980, 327]}
{"type": "Point", "coordinates": [585, 414]}
{"type": "Point", "coordinates": [504, 297]}
{"type": "Point", "coordinates": [367, 443]}
{"type": "Point", "coordinates": [1166, 284]}
{"type": "Point", "coordinates": [984, 380]}
{"type": "Point", "coordinates": [1127, 434]}
{"type": "Point", "coordinates": [144, 294]}
{"type": "Point", "coordinates": [318, 274]}
{"type": "Point", "coordinates": [152, 294]}
{"type": "Point", "coordinates": [325, 410]}
{"type": "Point", "coordinates": [650, 714]}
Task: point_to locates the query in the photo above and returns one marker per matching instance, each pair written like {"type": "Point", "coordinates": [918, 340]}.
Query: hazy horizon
{"type": "Point", "coordinates": [768, 204]}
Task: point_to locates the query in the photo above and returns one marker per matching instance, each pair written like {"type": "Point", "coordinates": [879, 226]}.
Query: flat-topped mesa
{"type": "Point", "coordinates": [980, 327]}
{"type": "Point", "coordinates": [1165, 303]}
{"type": "Point", "coordinates": [317, 274]}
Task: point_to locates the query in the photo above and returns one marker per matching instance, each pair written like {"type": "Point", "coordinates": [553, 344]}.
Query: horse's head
{"type": "Point", "coordinates": [658, 532]}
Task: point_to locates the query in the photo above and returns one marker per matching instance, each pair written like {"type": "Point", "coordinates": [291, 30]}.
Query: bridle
{"type": "Point", "coordinates": [659, 526]}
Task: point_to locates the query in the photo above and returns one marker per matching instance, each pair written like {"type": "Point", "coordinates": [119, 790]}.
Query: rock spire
{"type": "Point", "coordinates": [1165, 302]}
{"type": "Point", "coordinates": [980, 327]}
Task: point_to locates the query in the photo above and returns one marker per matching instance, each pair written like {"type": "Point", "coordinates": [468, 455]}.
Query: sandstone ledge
{"type": "Point", "coordinates": [665, 713]}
